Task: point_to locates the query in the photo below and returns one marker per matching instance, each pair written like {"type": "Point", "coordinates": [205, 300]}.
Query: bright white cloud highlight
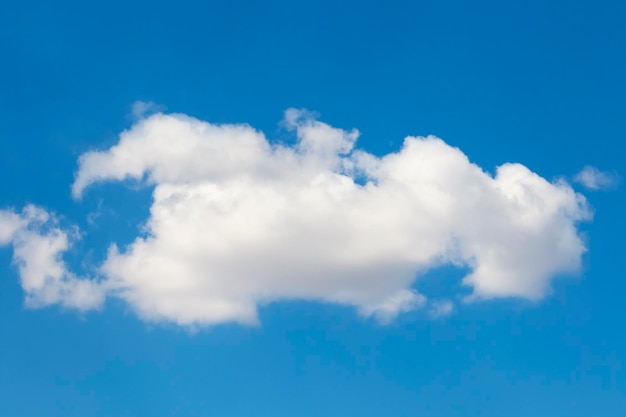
{"type": "Point", "coordinates": [38, 244]}
{"type": "Point", "coordinates": [594, 179]}
{"type": "Point", "coordinates": [238, 222]}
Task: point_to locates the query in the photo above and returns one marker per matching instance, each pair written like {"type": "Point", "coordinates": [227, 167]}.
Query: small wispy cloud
{"type": "Point", "coordinates": [594, 179]}
{"type": "Point", "coordinates": [441, 308]}
{"type": "Point", "coordinates": [141, 109]}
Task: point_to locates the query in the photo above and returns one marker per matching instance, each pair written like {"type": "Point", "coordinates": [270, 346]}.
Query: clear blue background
{"type": "Point", "coordinates": [536, 82]}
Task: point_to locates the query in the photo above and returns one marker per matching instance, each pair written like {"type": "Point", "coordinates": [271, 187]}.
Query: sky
{"type": "Point", "coordinates": [312, 209]}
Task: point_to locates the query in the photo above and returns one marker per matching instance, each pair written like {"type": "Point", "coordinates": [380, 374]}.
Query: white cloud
{"type": "Point", "coordinates": [237, 222]}
{"type": "Point", "coordinates": [441, 308]}
{"type": "Point", "coordinates": [388, 308]}
{"type": "Point", "coordinates": [594, 179]}
{"type": "Point", "coordinates": [10, 223]}
{"type": "Point", "coordinates": [38, 244]}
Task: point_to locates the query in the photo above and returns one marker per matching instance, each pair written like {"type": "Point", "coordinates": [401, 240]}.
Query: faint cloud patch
{"type": "Point", "coordinates": [441, 308]}
{"type": "Point", "coordinates": [593, 179]}
{"type": "Point", "coordinates": [94, 215]}
{"type": "Point", "coordinates": [141, 109]}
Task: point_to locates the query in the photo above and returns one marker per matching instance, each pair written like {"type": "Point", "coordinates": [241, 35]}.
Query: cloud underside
{"type": "Point", "coordinates": [237, 222]}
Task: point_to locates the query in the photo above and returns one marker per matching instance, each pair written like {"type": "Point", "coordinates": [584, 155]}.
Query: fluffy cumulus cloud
{"type": "Point", "coordinates": [38, 245]}
{"type": "Point", "coordinates": [594, 179]}
{"type": "Point", "coordinates": [238, 222]}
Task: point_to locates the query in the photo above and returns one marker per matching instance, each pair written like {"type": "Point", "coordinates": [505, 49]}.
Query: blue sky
{"type": "Point", "coordinates": [540, 84]}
